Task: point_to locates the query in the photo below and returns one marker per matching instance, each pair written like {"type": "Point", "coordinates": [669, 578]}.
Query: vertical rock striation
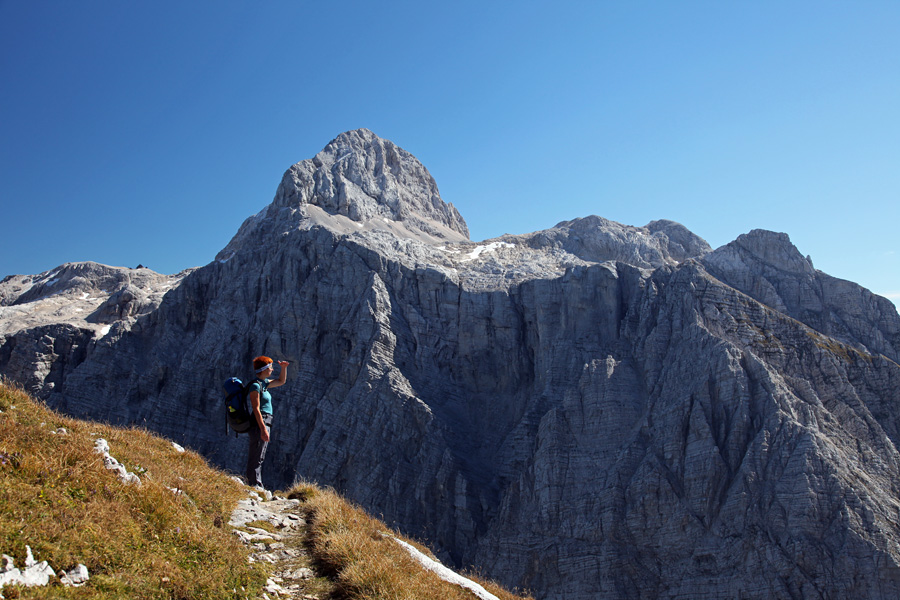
{"type": "Point", "coordinates": [594, 410]}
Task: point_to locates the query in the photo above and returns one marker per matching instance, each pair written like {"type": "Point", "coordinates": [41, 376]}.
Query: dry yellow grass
{"type": "Point", "coordinates": [365, 562]}
{"type": "Point", "coordinates": [137, 541]}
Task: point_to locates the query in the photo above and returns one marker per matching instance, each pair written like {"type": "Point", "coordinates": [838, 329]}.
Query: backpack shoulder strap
{"type": "Point", "coordinates": [257, 386]}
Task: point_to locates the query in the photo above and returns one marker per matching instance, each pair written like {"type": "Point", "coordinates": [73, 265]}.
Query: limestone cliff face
{"type": "Point", "coordinates": [595, 410]}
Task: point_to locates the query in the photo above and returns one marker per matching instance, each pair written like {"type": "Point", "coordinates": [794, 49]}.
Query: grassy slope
{"type": "Point", "coordinates": [136, 541]}
{"type": "Point", "coordinates": [149, 542]}
{"type": "Point", "coordinates": [359, 555]}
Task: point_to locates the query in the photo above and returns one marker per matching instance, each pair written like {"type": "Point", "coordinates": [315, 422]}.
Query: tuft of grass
{"type": "Point", "coordinates": [360, 555]}
{"type": "Point", "coordinates": [142, 541]}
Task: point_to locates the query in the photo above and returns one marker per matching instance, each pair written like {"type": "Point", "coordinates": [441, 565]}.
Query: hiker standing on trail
{"type": "Point", "coordinates": [261, 414]}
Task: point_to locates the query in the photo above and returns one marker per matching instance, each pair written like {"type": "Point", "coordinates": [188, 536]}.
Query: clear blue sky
{"type": "Point", "coordinates": [145, 132]}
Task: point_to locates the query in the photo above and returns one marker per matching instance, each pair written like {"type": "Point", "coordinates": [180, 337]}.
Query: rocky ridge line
{"type": "Point", "coordinates": [592, 410]}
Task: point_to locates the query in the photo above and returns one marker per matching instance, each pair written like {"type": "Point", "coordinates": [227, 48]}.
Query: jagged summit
{"type": "Point", "coordinates": [358, 182]}
{"type": "Point", "coordinates": [363, 177]}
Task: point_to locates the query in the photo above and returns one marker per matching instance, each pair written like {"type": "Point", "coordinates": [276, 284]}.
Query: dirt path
{"type": "Point", "coordinates": [275, 531]}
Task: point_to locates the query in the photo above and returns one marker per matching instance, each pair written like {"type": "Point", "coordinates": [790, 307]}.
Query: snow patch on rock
{"type": "Point", "coordinates": [492, 247]}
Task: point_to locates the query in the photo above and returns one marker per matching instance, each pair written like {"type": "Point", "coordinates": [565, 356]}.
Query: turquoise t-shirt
{"type": "Point", "coordinates": [265, 398]}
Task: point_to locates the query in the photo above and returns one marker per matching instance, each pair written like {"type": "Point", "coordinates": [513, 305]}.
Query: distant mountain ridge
{"type": "Point", "coordinates": [593, 410]}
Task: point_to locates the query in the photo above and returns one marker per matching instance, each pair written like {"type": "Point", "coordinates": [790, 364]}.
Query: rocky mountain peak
{"type": "Point", "coordinates": [770, 248]}
{"type": "Point", "coordinates": [682, 243]}
{"type": "Point", "coordinates": [358, 182]}
{"type": "Point", "coordinates": [596, 239]}
{"type": "Point", "coordinates": [362, 176]}
{"type": "Point", "coordinates": [766, 266]}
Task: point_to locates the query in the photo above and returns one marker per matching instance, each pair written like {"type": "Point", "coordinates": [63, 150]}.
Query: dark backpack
{"type": "Point", "coordinates": [236, 414]}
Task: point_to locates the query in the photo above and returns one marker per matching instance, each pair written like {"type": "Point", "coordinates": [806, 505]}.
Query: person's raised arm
{"type": "Point", "coordinates": [282, 376]}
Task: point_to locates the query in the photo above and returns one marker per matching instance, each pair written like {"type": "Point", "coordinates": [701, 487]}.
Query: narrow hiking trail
{"type": "Point", "coordinates": [275, 530]}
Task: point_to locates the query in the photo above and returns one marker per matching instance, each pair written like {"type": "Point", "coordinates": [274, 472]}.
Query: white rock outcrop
{"type": "Point", "coordinates": [34, 573]}
{"type": "Point", "coordinates": [75, 577]}
{"type": "Point", "coordinates": [37, 574]}
{"type": "Point", "coordinates": [101, 446]}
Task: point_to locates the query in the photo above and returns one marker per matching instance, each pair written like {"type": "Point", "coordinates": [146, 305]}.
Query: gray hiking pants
{"type": "Point", "coordinates": [257, 453]}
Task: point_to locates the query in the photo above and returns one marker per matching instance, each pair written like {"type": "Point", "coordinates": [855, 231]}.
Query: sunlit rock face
{"type": "Point", "coordinates": [590, 411]}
